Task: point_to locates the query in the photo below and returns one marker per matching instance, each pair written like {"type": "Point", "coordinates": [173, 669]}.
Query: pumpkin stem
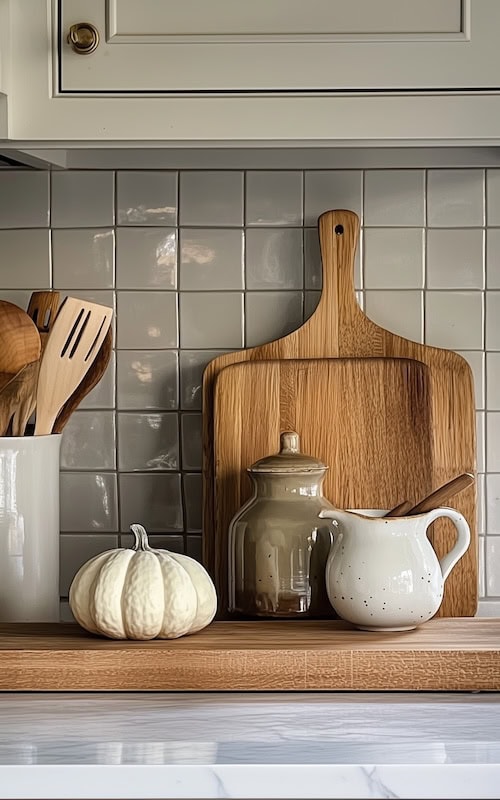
{"type": "Point", "coordinates": [141, 537]}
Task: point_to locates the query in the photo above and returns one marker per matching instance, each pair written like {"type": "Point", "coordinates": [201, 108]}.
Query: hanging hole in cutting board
{"type": "Point", "coordinates": [339, 230]}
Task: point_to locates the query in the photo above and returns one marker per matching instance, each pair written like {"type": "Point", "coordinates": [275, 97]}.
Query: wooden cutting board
{"type": "Point", "coordinates": [340, 329]}
{"type": "Point", "coordinates": [443, 654]}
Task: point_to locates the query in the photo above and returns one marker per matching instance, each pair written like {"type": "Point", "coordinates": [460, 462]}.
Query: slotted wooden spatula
{"type": "Point", "coordinates": [74, 342]}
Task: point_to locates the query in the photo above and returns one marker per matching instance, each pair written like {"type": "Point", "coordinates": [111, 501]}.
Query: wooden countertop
{"type": "Point", "coordinates": [445, 654]}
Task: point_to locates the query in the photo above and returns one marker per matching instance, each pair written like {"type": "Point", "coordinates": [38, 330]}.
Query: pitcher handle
{"type": "Point", "coordinates": [448, 561]}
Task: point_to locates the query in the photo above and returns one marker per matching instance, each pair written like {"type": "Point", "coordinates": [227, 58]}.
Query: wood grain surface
{"type": "Point", "coordinates": [368, 419]}
{"type": "Point", "coordinates": [340, 329]}
{"type": "Point", "coordinates": [443, 654]}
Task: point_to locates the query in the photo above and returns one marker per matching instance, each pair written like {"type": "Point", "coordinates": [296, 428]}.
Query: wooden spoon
{"type": "Point", "coordinates": [435, 499]}
{"type": "Point", "coordinates": [72, 347]}
{"type": "Point", "coordinates": [90, 380]}
{"type": "Point", "coordinates": [19, 338]}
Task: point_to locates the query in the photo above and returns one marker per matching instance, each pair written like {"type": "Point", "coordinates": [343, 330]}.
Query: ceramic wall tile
{"type": "Point", "coordinates": [146, 197]}
{"type": "Point", "coordinates": [89, 441]}
{"type": "Point", "coordinates": [455, 258]}
{"type": "Point", "coordinates": [192, 365]}
{"type": "Point", "coordinates": [399, 311]}
{"type": "Point", "coordinates": [311, 300]}
{"type": "Point", "coordinates": [146, 258]}
{"type": "Point", "coordinates": [274, 198]}
{"type": "Point", "coordinates": [24, 199]}
{"type": "Point", "coordinates": [493, 196]}
{"type": "Point", "coordinates": [493, 258]}
{"type": "Point", "coordinates": [274, 259]}
{"type": "Point", "coordinates": [147, 380]}
{"type": "Point", "coordinates": [493, 385]}
{"type": "Point", "coordinates": [20, 297]}
{"type": "Point", "coordinates": [211, 198]}
{"type": "Point", "coordinates": [393, 258]}
{"type": "Point", "coordinates": [481, 441]}
{"type": "Point", "coordinates": [270, 315]}
{"type": "Point", "coordinates": [454, 320]}
{"type": "Point", "coordinates": [476, 361]}
{"type": "Point", "coordinates": [493, 504]}
{"type": "Point", "coordinates": [148, 442]}
{"type": "Point", "coordinates": [25, 259]}
{"type": "Point", "coordinates": [82, 199]}
{"type": "Point", "coordinates": [481, 567]}
{"type": "Point", "coordinates": [211, 259]}
{"type": "Point", "coordinates": [493, 320]}
{"type": "Point", "coordinates": [313, 276]}
{"type": "Point", "coordinates": [75, 551]}
{"type": "Point", "coordinates": [193, 491]}
{"type": "Point", "coordinates": [481, 503]}
{"type": "Point", "coordinates": [103, 395]}
{"type": "Point", "coordinates": [455, 198]}
{"type": "Point", "coordinates": [88, 502]}
{"type": "Point", "coordinates": [492, 557]}
{"type": "Point", "coordinates": [493, 441]}
{"type": "Point", "coordinates": [194, 548]}
{"type": "Point", "coordinates": [395, 197]}
{"type": "Point", "coordinates": [83, 258]}
{"type": "Point", "coordinates": [213, 320]}
{"type": "Point", "coordinates": [191, 441]}
{"type": "Point", "coordinates": [152, 500]}
{"type": "Point", "coordinates": [147, 320]}
{"type": "Point", "coordinates": [171, 542]}
{"type": "Point", "coordinates": [325, 190]}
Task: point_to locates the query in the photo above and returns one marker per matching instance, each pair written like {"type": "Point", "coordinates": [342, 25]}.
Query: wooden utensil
{"type": "Point", "coordinates": [15, 399]}
{"type": "Point", "coordinates": [74, 342]}
{"type": "Point", "coordinates": [19, 339]}
{"type": "Point", "coordinates": [444, 494]}
{"type": "Point", "coordinates": [42, 309]}
{"type": "Point", "coordinates": [90, 380]}
{"type": "Point", "coordinates": [340, 329]}
{"type": "Point", "coordinates": [401, 510]}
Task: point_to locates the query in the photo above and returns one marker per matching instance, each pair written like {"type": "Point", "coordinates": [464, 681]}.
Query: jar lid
{"type": "Point", "coordinates": [289, 459]}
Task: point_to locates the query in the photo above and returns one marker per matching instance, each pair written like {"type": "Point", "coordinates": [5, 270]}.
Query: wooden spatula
{"type": "Point", "coordinates": [435, 499]}
{"type": "Point", "coordinates": [15, 399]}
{"type": "Point", "coordinates": [72, 347]}
{"type": "Point", "coordinates": [90, 380]}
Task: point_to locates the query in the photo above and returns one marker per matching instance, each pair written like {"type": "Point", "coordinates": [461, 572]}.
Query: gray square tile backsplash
{"type": "Point", "coordinates": [200, 262]}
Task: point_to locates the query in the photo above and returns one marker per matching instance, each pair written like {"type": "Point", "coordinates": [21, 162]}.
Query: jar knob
{"type": "Point", "coordinates": [289, 442]}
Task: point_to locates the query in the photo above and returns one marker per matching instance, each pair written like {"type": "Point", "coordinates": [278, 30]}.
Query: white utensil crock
{"type": "Point", "coordinates": [383, 574]}
{"type": "Point", "coordinates": [29, 528]}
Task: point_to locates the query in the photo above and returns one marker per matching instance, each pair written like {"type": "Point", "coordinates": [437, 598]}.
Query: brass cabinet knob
{"type": "Point", "coordinates": [83, 38]}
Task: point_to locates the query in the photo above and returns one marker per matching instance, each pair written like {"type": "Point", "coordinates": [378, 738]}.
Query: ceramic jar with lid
{"type": "Point", "coordinates": [278, 547]}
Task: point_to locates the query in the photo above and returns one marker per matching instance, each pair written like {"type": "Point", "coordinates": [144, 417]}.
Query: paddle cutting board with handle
{"type": "Point", "coordinates": [340, 330]}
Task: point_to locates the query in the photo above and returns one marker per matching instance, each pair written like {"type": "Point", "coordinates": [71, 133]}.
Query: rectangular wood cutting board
{"type": "Point", "coordinates": [340, 329]}
{"type": "Point", "coordinates": [442, 655]}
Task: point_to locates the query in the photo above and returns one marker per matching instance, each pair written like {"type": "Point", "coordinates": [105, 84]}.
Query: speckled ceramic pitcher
{"type": "Point", "coordinates": [382, 574]}
{"type": "Point", "coordinates": [277, 545]}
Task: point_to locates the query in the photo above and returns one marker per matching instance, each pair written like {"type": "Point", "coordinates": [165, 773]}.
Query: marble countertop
{"type": "Point", "coordinates": [283, 745]}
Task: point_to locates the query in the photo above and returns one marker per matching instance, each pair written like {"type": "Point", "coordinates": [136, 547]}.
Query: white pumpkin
{"type": "Point", "coordinates": [141, 593]}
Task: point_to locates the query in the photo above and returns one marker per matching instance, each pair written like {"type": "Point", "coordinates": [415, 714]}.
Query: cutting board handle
{"type": "Point", "coordinates": [339, 236]}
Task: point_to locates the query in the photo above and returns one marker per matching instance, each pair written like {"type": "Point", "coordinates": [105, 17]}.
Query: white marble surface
{"type": "Point", "coordinates": [285, 745]}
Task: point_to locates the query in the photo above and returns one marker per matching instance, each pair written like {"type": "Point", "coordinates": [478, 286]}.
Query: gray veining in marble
{"type": "Point", "coordinates": [249, 746]}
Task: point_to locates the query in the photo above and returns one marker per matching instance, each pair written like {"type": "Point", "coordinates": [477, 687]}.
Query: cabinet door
{"type": "Point", "coordinates": [199, 46]}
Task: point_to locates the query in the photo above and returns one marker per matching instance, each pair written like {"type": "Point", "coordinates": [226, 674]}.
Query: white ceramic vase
{"type": "Point", "coordinates": [29, 528]}
{"type": "Point", "coordinates": [383, 574]}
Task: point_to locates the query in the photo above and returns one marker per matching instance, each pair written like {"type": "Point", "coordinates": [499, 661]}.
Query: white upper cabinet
{"type": "Point", "coordinates": [282, 45]}
{"type": "Point", "coordinates": [255, 73]}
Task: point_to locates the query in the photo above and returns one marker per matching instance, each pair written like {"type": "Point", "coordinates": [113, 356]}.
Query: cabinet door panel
{"type": "Point", "coordinates": [193, 46]}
